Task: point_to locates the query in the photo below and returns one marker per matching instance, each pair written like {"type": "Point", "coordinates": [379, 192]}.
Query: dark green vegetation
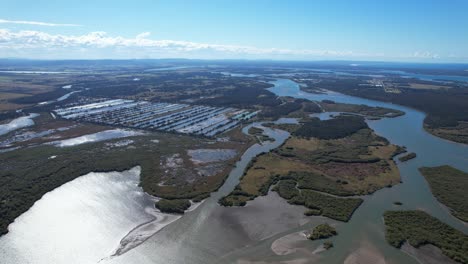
{"type": "Point", "coordinates": [375, 112]}
{"type": "Point", "coordinates": [290, 108]}
{"type": "Point", "coordinates": [258, 133]}
{"type": "Point", "coordinates": [319, 204]}
{"type": "Point", "coordinates": [255, 131]}
{"type": "Point", "coordinates": [419, 228]}
{"type": "Point", "coordinates": [322, 231]}
{"type": "Point", "coordinates": [192, 84]}
{"type": "Point", "coordinates": [333, 207]}
{"type": "Point", "coordinates": [331, 129]}
{"type": "Point", "coordinates": [28, 173]}
{"type": "Point", "coordinates": [407, 157]}
{"type": "Point", "coordinates": [327, 245]}
{"type": "Point", "coordinates": [177, 206]}
{"type": "Point", "coordinates": [449, 186]}
{"type": "Point", "coordinates": [312, 212]}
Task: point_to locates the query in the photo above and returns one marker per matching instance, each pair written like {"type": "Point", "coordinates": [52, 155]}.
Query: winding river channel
{"type": "Point", "coordinates": [212, 232]}
{"type": "Point", "coordinates": [215, 234]}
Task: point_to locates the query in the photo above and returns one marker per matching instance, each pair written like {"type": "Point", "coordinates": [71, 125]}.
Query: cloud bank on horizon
{"type": "Point", "coordinates": [36, 44]}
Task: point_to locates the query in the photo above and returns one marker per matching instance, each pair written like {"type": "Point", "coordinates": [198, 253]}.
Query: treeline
{"type": "Point", "coordinates": [9, 115]}
{"type": "Point", "coordinates": [43, 97]}
{"type": "Point", "coordinates": [177, 206]}
{"type": "Point", "coordinates": [338, 127]}
{"type": "Point", "coordinates": [419, 228]}
{"type": "Point", "coordinates": [244, 97]}
{"type": "Point", "coordinates": [286, 108]}
{"type": "Point", "coordinates": [449, 186]}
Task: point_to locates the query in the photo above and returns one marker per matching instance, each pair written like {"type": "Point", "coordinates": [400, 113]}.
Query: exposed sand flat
{"type": "Point", "coordinates": [294, 261]}
{"type": "Point", "coordinates": [17, 123]}
{"type": "Point", "coordinates": [366, 254]}
{"type": "Point", "coordinates": [286, 245]}
{"type": "Point", "coordinates": [99, 136]}
{"type": "Point", "coordinates": [267, 216]}
{"type": "Point", "coordinates": [427, 254]}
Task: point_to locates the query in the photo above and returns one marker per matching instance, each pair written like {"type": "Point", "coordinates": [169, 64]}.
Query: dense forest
{"type": "Point", "coordinates": [338, 127]}
{"type": "Point", "coordinates": [449, 186]}
{"type": "Point", "coordinates": [419, 228]}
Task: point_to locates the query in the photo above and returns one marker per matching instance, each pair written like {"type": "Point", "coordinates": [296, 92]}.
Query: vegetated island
{"type": "Point", "coordinates": [322, 231]}
{"type": "Point", "coordinates": [258, 134]}
{"type": "Point", "coordinates": [449, 186]}
{"type": "Point", "coordinates": [407, 157]}
{"type": "Point", "coordinates": [319, 165]}
{"type": "Point", "coordinates": [419, 228]}
{"type": "Point", "coordinates": [373, 112]}
{"type": "Point", "coordinates": [327, 245]}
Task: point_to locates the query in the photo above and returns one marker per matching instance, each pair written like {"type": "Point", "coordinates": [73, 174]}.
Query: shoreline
{"type": "Point", "coordinates": [144, 231]}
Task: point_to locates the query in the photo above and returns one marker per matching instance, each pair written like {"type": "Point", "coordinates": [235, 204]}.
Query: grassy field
{"type": "Point", "coordinates": [449, 186]}
{"type": "Point", "coordinates": [419, 228]}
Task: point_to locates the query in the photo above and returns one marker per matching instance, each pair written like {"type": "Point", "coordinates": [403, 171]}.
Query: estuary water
{"type": "Point", "coordinates": [204, 236]}
{"type": "Point", "coordinates": [366, 225]}
{"type": "Point", "coordinates": [80, 222]}
{"type": "Point", "coordinates": [215, 234]}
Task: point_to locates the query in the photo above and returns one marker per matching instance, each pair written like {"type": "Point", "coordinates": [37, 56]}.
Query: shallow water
{"type": "Point", "coordinates": [17, 123]}
{"type": "Point", "coordinates": [199, 156]}
{"type": "Point", "coordinates": [205, 234]}
{"type": "Point", "coordinates": [80, 222]}
{"type": "Point", "coordinates": [99, 136]}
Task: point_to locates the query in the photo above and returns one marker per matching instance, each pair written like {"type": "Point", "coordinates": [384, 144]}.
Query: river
{"type": "Point", "coordinates": [215, 234]}
{"type": "Point", "coordinates": [204, 236]}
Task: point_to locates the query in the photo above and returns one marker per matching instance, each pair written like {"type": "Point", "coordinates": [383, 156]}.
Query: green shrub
{"type": "Point", "coordinates": [177, 206]}
{"type": "Point", "coordinates": [322, 231]}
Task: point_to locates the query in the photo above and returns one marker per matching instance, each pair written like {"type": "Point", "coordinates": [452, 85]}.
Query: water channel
{"type": "Point", "coordinates": [215, 234]}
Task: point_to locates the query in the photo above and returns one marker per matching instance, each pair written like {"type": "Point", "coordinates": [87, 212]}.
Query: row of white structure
{"type": "Point", "coordinates": [180, 118]}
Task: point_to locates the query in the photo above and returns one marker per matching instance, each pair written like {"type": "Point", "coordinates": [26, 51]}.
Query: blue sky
{"type": "Point", "coordinates": [432, 31]}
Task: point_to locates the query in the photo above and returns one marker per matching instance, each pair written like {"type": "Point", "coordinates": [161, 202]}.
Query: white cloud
{"type": "Point", "coordinates": [143, 35]}
{"type": "Point", "coordinates": [36, 23]}
{"type": "Point", "coordinates": [27, 39]}
{"type": "Point", "coordinates": [425, 55]}
{"type": "Point", "coordinates": [97, 45]}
